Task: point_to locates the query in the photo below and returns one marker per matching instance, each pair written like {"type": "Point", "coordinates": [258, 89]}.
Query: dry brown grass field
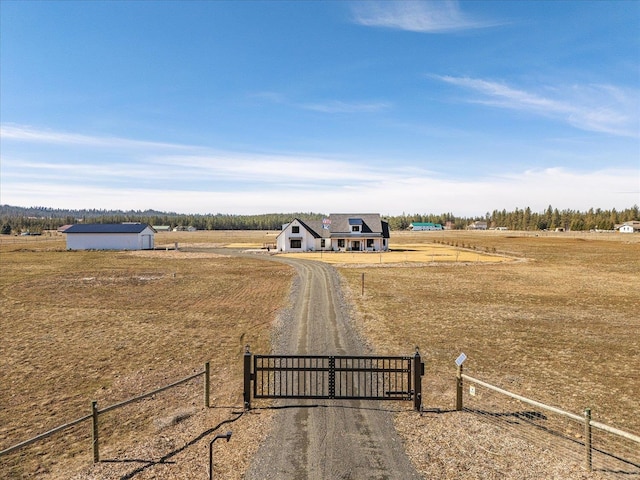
{"type": "Point", "coordinates": [107, 326]}
{"type": "Point", "coordinates": [560, 326]}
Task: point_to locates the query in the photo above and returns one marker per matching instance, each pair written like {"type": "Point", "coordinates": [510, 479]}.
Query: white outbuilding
{"type": "Point", "coordinates": [110, 236]}
{"type": "Point", "coordinates": [630, 227]}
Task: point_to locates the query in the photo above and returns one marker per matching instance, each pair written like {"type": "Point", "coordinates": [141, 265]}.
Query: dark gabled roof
{"type": "Point", "coordinates": [311, 227]}
{"type": "Point", "coordinates": [371, 223]}
{"type": "Point", "coordinates": [107, 228]}
{"type": "Point", "coordinates": [385, 229]}
{"type": "Point", "coordinates": [341, 224]}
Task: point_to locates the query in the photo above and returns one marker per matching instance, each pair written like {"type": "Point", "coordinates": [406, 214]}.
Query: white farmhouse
{"type": "Point", "coordinates": [338, 232]}
{"type": "Point", "coordinates": [110, 236]}
{"type": "Point", "coordinates": [630, 227]}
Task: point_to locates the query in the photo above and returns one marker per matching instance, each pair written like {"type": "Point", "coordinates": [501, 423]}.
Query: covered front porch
{"type": "Point", "coordinates": [358, 244]}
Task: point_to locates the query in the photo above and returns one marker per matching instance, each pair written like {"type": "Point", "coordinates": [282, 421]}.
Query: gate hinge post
{"type": "Point", "coordinates": [418, 371]}
{"type": "Point", "coordinates": [247, 378]}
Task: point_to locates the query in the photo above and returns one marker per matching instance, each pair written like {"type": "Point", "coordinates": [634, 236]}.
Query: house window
{"type": "Point", "coordinates": [295, 229]}
{"type": "Point", "coordinates": [355, 228]}
{"type": "Point", "coordinates": [322, 243]}
{"type": "Point", "coordinates": [296, 243]}
{"type": "Point", "coordinates": [341, 243]}
{"type": "Point", "coordinates": [369, 242]}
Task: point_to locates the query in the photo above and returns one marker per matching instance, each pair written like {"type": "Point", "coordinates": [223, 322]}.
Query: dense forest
{"type": "Point", "coordinates": [525, 219]}
{"type": "Point", "coordinates": [16, 220]}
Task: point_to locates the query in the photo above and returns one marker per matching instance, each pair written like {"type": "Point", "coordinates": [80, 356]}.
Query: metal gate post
{"type": "Point", "coordinates": [418, 371]}
{"type": "Point", "coordinates": [247, 378]}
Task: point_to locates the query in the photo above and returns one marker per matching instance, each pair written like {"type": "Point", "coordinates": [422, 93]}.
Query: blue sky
{"type": "Point", "coordinates": [256, 107]}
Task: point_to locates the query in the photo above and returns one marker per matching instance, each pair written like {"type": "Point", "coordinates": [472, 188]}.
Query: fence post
{"type": "Point", "coordinates": [207, 383]}
{"type": "Point", "coordinates": [459, 389]}
{"type": "Point", "coordinates": [94, 435]}
{"type": "Point", "coordinates": [587, 439]}
{"type": "Point", "coordinates": [418, 371]}
{"type": "Point", "coordinates": [247, 378]}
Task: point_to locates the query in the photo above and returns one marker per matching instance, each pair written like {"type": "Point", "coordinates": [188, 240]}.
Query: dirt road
{"type": "Point", "coordinates": [326, 439]}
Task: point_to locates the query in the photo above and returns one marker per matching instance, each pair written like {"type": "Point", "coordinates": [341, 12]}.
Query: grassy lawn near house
{"type": "Point", "coordinates": [406, 253]}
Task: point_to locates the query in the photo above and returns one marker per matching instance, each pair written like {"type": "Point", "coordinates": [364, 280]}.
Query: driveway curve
{"type": "Point", "coordinates": [326, 439]}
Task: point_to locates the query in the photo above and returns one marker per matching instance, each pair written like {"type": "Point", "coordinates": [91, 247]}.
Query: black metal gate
{"type": "Point", "coordinates": [333, 377]}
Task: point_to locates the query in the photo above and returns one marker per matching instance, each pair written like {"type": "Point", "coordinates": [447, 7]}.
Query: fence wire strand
{"type": "Point", "coordinates": [611, 455]}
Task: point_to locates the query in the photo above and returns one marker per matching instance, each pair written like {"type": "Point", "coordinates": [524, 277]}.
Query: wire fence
{"type": "Point", "coordinates": [73, 432]}
{"type": "Point", "coordinates": [595, 446]}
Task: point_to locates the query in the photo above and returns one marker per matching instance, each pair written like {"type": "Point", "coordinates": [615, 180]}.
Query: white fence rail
{"type": "Point", "coordinates": [596, 445]}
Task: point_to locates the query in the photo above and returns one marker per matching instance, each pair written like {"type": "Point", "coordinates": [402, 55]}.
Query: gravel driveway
{"type": "Point", "coordinates": [326, 439]}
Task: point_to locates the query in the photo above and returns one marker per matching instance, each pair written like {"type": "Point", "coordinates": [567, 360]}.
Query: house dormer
{"type": "Point", "coordinates": [355, 225]}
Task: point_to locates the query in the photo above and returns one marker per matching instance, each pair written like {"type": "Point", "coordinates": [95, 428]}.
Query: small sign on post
{"type": "Point", "coordinates": [459, 361]}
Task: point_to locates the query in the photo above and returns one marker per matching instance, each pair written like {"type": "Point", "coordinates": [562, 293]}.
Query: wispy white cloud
{"type": "Point", "coordinates": [213, 169]}
{"type": "Point", "coordinates": [596, 108]}
{"type": "Point", "coordinates": [25, 133]}
{"type": "Point", "coordinates": [87, 159]}
{"type": "Point", "coordinates": [401, 191]}
{"type": "Point", "coordinates": [268, 96]}
{"type": "Point", "coordinates": [416, 16]}
{"type": "Point", "coordinates": [327, 106]}
{"type": "Point", "coordinates": [198, 180]}
{"type": "Point", "coordinates": [336, 106]}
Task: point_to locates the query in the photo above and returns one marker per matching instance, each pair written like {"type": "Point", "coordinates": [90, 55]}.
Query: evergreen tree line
{"type": "Point", "coordinates": [525, 219]}
{"type": "Point", "coordinates": [37, 219]}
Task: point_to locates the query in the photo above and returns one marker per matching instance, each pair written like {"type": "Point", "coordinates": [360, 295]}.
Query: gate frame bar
{"type": "Point", "coordinates": [418, 372]}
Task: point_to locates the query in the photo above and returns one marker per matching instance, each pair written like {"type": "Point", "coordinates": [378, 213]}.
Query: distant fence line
{"type": "Point", "coordinates": [95, 412]}
{"type": "Point", "coordinates": [588, 425]}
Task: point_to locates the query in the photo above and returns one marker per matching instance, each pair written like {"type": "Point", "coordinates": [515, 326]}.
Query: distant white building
{"type": "Point", "coordinates": [418, 226]}
{"type": "Point", "coordinates": [630, 227]}
{"type": "Point", "coordinates": [477, 226]}
{"type": "Point", "coordinates": [110, 236]}
{"type": "Point", "coordinates": [338, 232]}
{"type": "Point", "coordinates": [180, 228]}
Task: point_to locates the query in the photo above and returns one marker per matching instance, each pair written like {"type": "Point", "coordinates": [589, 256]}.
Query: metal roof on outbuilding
{"type": "Point", "coordinates": [108, 228]}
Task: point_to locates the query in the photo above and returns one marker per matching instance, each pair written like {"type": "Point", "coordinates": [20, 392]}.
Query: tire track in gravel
{"type": "Point", "coordinates": [326, 439]}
